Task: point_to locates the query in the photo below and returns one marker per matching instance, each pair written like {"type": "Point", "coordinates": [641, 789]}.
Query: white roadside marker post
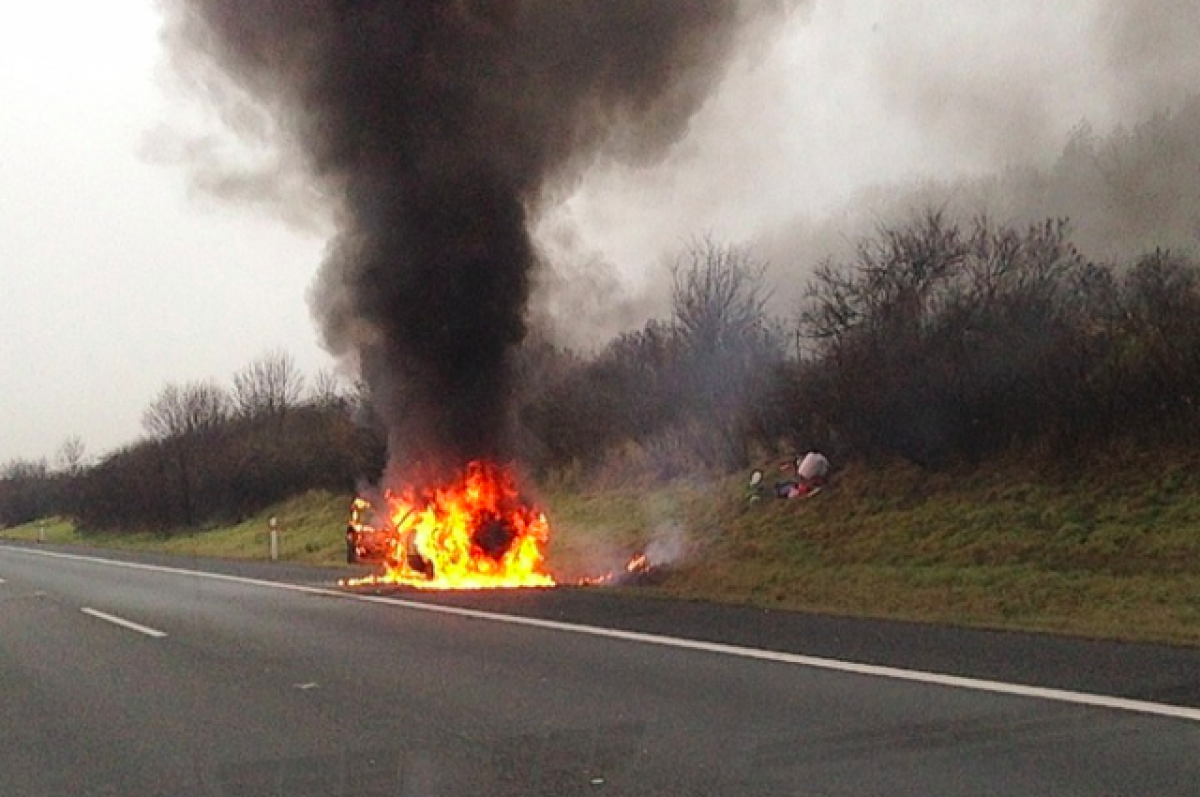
{"type": "Point", "coordinates": [273, 547]}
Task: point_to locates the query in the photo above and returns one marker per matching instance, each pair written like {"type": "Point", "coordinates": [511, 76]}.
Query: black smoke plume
{"type": "Point", "coordinates": [438, 129]}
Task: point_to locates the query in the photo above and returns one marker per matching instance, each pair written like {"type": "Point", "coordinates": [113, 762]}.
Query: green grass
{"type": "Point", "coordinates": [1107, 549]}
{"type": "Point", "coordinates": [311, 530]}
{"type": "Point", "coordinates": [52, 529]}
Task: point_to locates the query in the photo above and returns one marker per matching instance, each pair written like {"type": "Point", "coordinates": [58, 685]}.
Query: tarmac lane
{"type": "Point", "coordinates": [128, 675]}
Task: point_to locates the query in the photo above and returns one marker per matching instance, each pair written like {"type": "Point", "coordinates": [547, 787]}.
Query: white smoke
{"type": "Point", "coordinates": [668, 544]}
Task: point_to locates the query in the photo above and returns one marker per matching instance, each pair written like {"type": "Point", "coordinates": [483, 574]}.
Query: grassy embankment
{"type": "Point", "coordinates": [1112, 551]}
{"type": "Point", "coordinates": [311, 526]}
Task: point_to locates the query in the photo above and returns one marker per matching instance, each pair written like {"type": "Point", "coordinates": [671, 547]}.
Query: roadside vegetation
{"type": "Point", "coordinates": [1014, 427]}
{"type": "Point", "coordinates": [311, 529]}
{"type": "Point", "coordinates": [1106, 548]}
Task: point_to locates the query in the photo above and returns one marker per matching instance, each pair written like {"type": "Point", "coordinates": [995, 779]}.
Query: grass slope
{"type": "Point", "coordinates": [311, 530]}
{"type": "Point", "coordinates": [1110, 549]}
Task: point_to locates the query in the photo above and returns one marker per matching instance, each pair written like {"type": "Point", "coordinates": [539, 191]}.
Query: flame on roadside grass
{"type": "Point", "coordinates": [636, 566]}
{"type": "Point", "coordinates": [474, 534]}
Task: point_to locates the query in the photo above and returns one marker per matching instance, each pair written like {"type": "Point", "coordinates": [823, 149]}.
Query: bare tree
{"type": "Point", "coordinates": [184, 420]}
{"type": "Point", "coordinates": [71, 455]}
{"type": "Point", "coordinates": [326, 391]}
{"type": "Point", "coordinates": [718, 295]}
{"type": "Point", "coordinates": [269, 386]}
{"type": "Point", "coordinates": [727, 348]}
{"type": "Point", "coordinates": [189, 410]}
{"type": "Point", "coordinates": [939, 342]}
{"type": "Point", "coordinates": [24, 469]}
{"type": "Point", "coordinates": [896, 280]}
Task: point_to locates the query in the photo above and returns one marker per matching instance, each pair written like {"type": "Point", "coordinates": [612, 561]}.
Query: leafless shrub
{"type": "Point", "coordinates": [327, 391]}
{"type": "Point", "coordinates": [71, 456]}
{"type": "Point", "coordinates": [186, 411]}
{"type": "Point", "coordinates": [269, 386]}
{"type": "Point", "coordinates": [718, 296]}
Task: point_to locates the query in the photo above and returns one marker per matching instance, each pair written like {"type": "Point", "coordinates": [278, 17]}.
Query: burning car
{"type": "Point", "coordinates": [475, 532]}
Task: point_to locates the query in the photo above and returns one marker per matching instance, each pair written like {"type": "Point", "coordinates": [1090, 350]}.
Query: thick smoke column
{"type": "Point", "coordinates": [439, 128]}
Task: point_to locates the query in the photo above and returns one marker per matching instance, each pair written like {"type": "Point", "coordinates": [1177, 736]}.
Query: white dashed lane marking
{"type": "Point", "coordinates": [132, 626]}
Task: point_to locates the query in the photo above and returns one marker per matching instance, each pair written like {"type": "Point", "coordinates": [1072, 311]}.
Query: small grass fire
{"type": "Point", "coordinates": [637, 571]}
{"type": "Point", "coordinates": [475, 533]}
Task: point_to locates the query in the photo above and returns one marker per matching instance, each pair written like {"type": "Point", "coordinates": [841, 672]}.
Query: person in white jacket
{"type": "Point", "coordinates": [811, 472]}
{"type": "Point", "coordinates": [812, 469]}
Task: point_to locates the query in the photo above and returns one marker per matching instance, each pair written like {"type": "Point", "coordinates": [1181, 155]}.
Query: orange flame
{"type": "Point", "coordinates": [638, 565]}
{"type": "Point", "coordinates": [476, 534]}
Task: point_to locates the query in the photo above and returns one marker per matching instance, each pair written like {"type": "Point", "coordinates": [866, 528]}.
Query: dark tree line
{"type": "Point", "coordinates": [209, 455]}
{"type": "Point", "coordinates": [944, 344]}
{"type": "Point", "coordinates": [28, 491]}
{"type": "Point", "coordinates": [938, 342]}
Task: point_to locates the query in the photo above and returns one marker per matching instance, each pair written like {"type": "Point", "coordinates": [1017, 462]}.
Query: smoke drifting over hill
{"type": "Point", "coordinates": [849, 115]}
{"type": "Point", "coordinates": [1107, 136]}
{"type": "Point", "coordinates": [864, 112]}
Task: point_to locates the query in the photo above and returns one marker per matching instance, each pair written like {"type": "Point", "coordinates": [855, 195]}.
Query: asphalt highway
{"type": "Point", "coordinates": [140, 675]}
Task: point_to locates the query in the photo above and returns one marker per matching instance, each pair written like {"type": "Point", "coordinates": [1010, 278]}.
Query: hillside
{"type": "Point", "coordinates": [1110, 551]}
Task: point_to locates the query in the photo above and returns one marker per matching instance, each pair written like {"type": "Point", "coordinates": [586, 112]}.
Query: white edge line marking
{"type": "Point", "coordinates": [835, 665]}
{"type": "Point", "coordinates": [141, 629]}
{"type": "Point", "coordinates": [2, 581]}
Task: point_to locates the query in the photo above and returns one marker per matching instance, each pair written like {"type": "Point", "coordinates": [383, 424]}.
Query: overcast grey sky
{"type": "Point", "coordinates": [118, 276]}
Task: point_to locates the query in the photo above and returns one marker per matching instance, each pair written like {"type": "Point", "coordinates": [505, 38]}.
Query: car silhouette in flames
{"type": "Point", "coordinates": [472, 531]}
